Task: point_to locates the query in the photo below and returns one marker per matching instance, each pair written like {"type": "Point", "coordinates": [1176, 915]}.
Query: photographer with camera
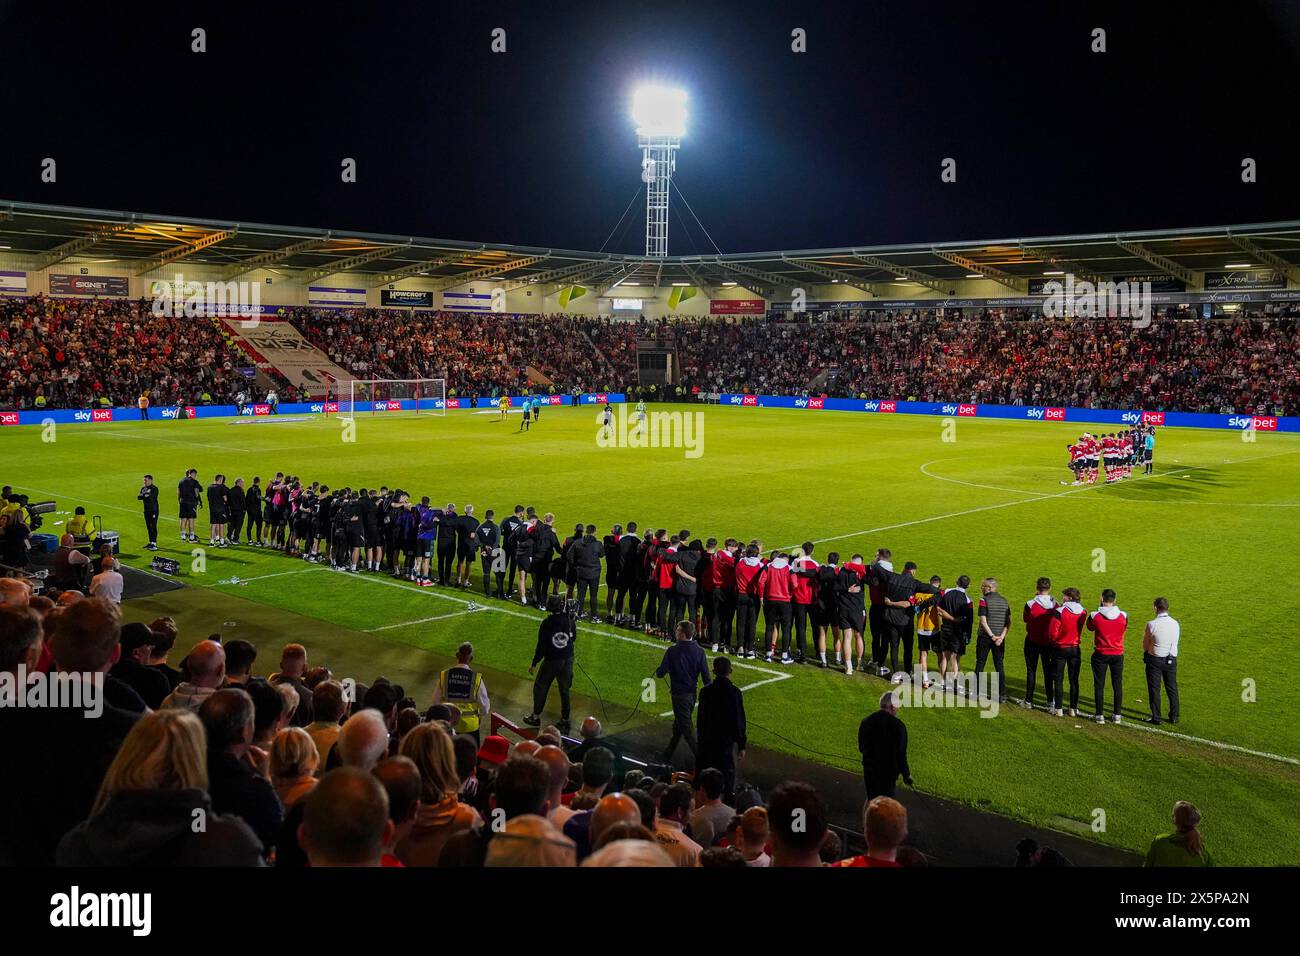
{"type": "Point", "coordinates": [555, 638]}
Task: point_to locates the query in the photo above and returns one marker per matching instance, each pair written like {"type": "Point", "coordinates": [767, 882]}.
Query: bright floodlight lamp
{"type": "Point", "coordinates": [660, 116]}
{"type": "Point", "coordinates": [659, 111]}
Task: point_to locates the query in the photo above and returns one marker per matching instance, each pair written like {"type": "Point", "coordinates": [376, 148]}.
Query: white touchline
{"type": "Point", "coordinates": [278, 574]}
{"type": "Point", "coordinates": [426, 620]}
{"type": "Point", "coordinates": [1280, 758]}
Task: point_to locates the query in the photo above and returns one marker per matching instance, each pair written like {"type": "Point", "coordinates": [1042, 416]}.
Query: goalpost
{"type": "Point", "coordinates": [389, 396]}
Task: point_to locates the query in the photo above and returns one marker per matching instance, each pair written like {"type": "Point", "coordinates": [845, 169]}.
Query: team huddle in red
{"type": "Point", "coordinates": [1119, 452]}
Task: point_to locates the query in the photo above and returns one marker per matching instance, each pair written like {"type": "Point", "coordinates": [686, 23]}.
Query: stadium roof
{"type": "Point", "coordinates": [39, 236]}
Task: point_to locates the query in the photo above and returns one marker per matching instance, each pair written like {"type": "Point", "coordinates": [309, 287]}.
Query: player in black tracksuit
{"type": "Point", "coordinates": [509, 528]}
{"type": "Point", "coordinates": [610, 545]}
{"type": "Point", "coordinates": [253, 510]}
{"type": "Point", "coordinates": [587, 554]}
{"type": "Point", "coordinates": [487, 536]}
{"type": "Point", "coordinates": [236, 504]}
{"type": "Point", "coordinates": [466, 542]}
{"type": "Point", "coordinates": [545, 546]}
{"type": "Point", "coordinates": [446, 543]}
{"type": "Point", "coordinates": [627, 563]}
{"type": "Point", "coordinates": [826, 621]}
{"type": "Point", "coordinates": [635, 574]}
{"type": "Point", "coordinates": [900, 611]}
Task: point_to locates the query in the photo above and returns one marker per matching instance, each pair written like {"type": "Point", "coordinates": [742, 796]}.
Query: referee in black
{"type": "Point", "coordinates": [554, 652]}
{"type": "Point", "coordinates": [685, 663]}
{"type": "Point", "coordinates": [149, 496]}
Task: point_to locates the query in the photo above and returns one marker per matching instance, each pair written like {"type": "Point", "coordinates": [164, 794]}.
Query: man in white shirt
{"type": "Point", "coordinates": [107, 584]}
{"type": "Point", "coordinates": [1160, 654]}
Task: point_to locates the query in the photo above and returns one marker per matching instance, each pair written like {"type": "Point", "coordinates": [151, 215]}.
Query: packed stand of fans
{"type": "Point", "coordinates": [1198, 365]}
{"type": "Point", "coordinates": [83, 353]}
{"type": "Point", "coordinates": [478, 353]}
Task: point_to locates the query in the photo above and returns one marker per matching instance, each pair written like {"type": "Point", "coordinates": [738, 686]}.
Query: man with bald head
{"type": "Point", "coordinates": [585, 828]}
{"type": "Point", "coordinates": [14, 592]}
{"type": "Point", "coordinates": [70, 565]}
{"type": "Point", "coordinates": [346, 820]}
{"type": "Point", "coordinates": [43, 798]}
{"type": "Point", "coordinates": [557, 764]}
{"type": "Point", "coordinates": [207, 668]}
{"type": "Point", "coordinates": [234, 783]}
{"type": "Point", "coordinates": [527, 748]}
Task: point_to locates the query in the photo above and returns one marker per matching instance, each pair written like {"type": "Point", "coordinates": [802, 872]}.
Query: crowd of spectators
{"type": "Point", "coordinates": [478, 353]}
{"type": "Point", "coordinates": [84, 353]}
{"type": "Point", "coordinates": [291, 770]}
{"type": "Point", "coordinates": [81, 353]}
{"type": "Point", "coordinates": [1247, 364]}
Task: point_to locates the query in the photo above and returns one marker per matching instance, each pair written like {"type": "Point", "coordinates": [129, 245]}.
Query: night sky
{"type": "Point", "coordinates": [837, 146]}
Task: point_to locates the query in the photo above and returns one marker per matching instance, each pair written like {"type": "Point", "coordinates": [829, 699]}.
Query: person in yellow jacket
{"type": "Point", "coordinates": [79, 527]}
{"type": "Point", "coordinates": [143, 404]}
{"type": "Point", "coordinates": [927, 628]}
{"type": "Point", "coordinates": [463, 686]}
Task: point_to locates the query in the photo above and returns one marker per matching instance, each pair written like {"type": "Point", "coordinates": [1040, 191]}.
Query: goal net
{"type": "Point", "coordinates": [393, 396]}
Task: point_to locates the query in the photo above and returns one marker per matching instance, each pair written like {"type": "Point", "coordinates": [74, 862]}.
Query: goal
{"type": "Point", "coordinates": [394, 396]}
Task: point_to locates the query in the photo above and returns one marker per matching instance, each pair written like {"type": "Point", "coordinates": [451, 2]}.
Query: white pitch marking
{"type": "Point", "coordinates": [1021, 501]}
{"type": "Point", "coordinates": [426, 620]}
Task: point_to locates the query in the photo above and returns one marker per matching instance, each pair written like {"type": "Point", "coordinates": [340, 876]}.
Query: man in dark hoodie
{"type": "Point", "coordinates": [132, 667]}
{"type": "Point", "coordinates": [49, 797]}
{"type": "Point", "coordinates": [234, 784]}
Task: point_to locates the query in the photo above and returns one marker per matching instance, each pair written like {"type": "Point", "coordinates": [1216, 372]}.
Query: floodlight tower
{"type": "Point", "coordinates": [660, 115]}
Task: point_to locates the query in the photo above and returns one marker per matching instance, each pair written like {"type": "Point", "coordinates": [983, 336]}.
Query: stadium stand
{"type": "Point", "coordinates": [81, 353]}
{"type": "Point", "coordinates": [77, 353]}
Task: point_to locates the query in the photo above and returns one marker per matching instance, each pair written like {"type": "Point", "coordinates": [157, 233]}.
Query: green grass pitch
{"type": "Point", "coordinates": [1214, 531]}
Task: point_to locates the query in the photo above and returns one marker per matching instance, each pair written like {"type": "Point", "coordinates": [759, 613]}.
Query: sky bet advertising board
{"type": "Point", "coordinates": [1034, 413]}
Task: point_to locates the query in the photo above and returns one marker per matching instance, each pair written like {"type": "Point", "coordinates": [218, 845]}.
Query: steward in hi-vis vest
{"type": "Point", "coordinates": [463, 687]}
